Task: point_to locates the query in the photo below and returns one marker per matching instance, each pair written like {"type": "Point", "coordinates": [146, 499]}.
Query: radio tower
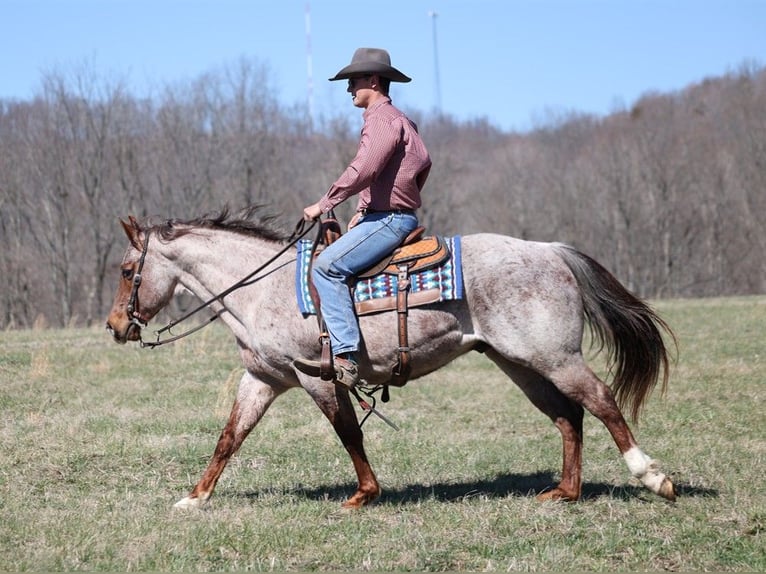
{"type": "Point", "coordinates": [309, 69]}
{"type": "Point", "coordinates": [437, 84]}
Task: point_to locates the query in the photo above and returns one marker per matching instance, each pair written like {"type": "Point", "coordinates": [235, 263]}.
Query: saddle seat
{"type": "Point", "coordinates": [416, 253]}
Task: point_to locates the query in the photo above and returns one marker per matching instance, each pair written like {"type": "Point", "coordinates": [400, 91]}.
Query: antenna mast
{"type": "Point", "coordinates": [437, 84]}
{"type": "Point", "coordinates": [309, 69]}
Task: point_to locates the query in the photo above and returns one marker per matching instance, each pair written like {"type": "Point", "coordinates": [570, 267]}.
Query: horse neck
{"type": "Point", "coordinates": [211, 261]}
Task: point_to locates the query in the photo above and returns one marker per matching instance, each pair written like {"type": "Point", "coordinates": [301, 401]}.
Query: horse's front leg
{"type": "Point", "coordinates": [336, 404]}
{"type": "Point", "coordinates": [253, 399]}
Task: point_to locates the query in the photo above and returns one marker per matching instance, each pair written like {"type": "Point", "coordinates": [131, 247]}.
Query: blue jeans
{"type": "Point", "coordinates": [375, 236]}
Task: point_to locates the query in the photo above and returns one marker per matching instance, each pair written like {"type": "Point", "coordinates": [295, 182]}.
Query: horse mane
{"type": "Point", "coordinates": [250, 221]}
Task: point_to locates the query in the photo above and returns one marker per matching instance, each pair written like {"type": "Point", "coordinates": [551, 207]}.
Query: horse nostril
{"type": "Point", "coordinates": [113, 333]}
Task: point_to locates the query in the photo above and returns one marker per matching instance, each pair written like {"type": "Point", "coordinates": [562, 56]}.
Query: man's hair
{"type": "Point", "coordinates": [384, 83]}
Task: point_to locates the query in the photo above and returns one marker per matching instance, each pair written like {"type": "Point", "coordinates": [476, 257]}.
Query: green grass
{"type": "Point", "coordinates": [97, 441]}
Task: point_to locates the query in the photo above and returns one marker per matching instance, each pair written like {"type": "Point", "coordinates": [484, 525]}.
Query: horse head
{"type": "Point", "coordinates": [145, 285]}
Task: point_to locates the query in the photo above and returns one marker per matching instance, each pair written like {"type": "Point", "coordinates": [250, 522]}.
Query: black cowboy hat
{"type": "Point", "coordinates": [372, 61]}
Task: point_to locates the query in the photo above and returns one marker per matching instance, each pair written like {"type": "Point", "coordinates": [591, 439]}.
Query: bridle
{"type": "Point", "coordinates": [301, 230]}
{"type": "Point", "coordinates": [132, 309]}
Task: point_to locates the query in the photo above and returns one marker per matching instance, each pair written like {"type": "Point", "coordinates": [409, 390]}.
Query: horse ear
{"type": "Point", "coordinates": [133, 231]}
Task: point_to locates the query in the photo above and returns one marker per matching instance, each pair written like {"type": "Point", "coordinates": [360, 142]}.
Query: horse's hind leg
{"type": "Point", "coordinates": [578, 382]}
{"type": "Point", "coordinates": [565, 414]}
{"type": "Point", "coordinates": [336, 405]}
{"type": "Point", "coordinates": [253, 399]}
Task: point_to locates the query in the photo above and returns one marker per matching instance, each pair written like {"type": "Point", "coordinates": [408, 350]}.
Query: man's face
{"type": "Point", "coordinates": [361, 90]}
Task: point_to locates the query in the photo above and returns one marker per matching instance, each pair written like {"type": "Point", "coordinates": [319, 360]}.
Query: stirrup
{"type": "Point", "coordinates": [307, 367]}
{"type": "Point", "coordinates": [346, 372]}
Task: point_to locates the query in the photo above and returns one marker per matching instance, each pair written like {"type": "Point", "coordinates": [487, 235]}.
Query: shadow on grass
{"type": "Point", "coordinates": [501, 486]}
{"type": "Point", "coordinates": [627, 492]}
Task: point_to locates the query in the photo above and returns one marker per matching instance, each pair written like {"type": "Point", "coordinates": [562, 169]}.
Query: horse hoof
{"type": "Point", "coordinates": [555, 494]}
{"type": "Point", "coordinates": [361, 499]}
{"type": "Point", "coordinates": [355, 503]}
{"type": "Point", "coordinates": [350, 506]}
{"type": "Point", "coordinates": [188, 503]}
{"type": "Point", "coordinates": [667, 490]}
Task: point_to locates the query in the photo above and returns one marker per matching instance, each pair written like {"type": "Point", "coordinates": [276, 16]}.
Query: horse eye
{"type": "Point", "coordinates": [127, 273]}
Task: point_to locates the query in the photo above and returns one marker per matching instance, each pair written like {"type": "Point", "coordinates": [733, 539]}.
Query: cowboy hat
{"type": "Point", "coordinates": [373, 61]}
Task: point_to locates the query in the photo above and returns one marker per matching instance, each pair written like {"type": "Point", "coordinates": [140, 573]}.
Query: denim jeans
{"type": "Point", "coordinates": [375, 236]}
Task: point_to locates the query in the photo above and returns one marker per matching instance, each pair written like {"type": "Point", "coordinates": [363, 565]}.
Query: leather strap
{"type": "Point", "coordinates": [329, 231]}
{"type": "Point", "coordinates": [326, 369]}
{"type": "Point", "coordinates": [401, 371]}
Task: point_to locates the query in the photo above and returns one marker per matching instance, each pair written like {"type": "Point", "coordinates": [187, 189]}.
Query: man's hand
{"type": "Point", "coordinates": [312, 212]}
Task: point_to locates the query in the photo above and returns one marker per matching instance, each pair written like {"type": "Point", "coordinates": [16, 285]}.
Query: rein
{"type": "Point", "coordinates": [296, 236]}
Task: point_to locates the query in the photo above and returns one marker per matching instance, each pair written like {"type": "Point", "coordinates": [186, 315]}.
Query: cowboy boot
{"type": "Point", "coordinates": [346, 370]}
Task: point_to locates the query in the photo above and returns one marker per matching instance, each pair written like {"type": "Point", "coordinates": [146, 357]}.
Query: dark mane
{"type": "Point", "coordinates": [248, 221]}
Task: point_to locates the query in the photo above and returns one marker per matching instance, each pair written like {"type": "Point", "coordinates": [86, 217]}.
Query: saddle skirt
{"type": "Point", "coordinates": [376, 289]}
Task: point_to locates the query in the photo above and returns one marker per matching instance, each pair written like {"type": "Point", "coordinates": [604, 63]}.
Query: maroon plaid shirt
{"type": "Point", "coordinates": [390, 167]}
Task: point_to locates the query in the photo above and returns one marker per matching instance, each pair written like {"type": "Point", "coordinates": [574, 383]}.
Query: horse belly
{"type": "Point", "coordinates": [437, 334]}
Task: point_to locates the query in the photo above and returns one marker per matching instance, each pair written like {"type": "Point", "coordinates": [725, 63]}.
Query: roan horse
{"type": "Point", "coordinates": [525, 307]}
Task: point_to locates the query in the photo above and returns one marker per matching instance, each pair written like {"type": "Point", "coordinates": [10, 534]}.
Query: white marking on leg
{"type": "Point", "coordinates": [644, 468]}
{"type": "Point", "coordinates": [189, 503]}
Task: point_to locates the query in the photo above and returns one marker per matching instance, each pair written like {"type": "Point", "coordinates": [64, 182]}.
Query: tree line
{"type": "Point", "coordinates": [668, 194]}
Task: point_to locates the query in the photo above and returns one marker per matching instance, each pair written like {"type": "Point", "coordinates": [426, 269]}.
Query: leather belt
{"type": "Point", "coordinates": [366, 210]}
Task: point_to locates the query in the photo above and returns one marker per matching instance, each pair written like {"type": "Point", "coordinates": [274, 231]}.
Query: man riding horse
{"type": "Point", "coordinates": [388, 173]}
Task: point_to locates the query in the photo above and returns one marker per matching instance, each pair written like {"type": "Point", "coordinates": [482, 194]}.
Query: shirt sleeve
{"type": "Point", "coordinates": [377, 144]}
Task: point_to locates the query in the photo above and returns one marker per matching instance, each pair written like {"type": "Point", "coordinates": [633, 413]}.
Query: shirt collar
{"type": "Point", "coordinates": [381, 102]}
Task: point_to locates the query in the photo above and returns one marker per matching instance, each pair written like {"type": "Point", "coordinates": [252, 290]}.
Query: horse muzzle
{"type": "Point", "coordinates": [126, 331]}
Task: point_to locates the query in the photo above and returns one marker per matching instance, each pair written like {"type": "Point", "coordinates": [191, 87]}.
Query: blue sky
{"type": "Point", "coordinates": [510, 61]}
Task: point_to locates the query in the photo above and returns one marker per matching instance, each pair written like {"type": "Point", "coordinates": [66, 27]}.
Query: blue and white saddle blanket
{"type": "Point", "coordinates": [378, 293]}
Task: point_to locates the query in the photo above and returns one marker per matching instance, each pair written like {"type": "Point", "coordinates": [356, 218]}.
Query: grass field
{"type": "Point", "coordinates": [98, 441]}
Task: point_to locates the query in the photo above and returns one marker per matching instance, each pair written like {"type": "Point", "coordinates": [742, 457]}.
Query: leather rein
{"type": "Point", "coordinates": [301, 230]}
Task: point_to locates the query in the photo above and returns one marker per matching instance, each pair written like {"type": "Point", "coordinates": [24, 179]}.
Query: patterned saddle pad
{"type": "Point", "coordinates": [378, 293]}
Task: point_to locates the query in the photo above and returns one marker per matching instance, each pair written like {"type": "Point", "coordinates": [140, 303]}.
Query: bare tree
{"type": "Point", "coordinates": [18, 285]}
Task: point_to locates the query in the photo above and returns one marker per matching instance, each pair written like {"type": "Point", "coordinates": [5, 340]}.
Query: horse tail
{"type": "Point", "coordinates": [629, 329]}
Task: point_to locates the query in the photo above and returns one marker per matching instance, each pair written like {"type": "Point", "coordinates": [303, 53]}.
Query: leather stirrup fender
{"type": "Point", "coordinates": [402, 369]}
